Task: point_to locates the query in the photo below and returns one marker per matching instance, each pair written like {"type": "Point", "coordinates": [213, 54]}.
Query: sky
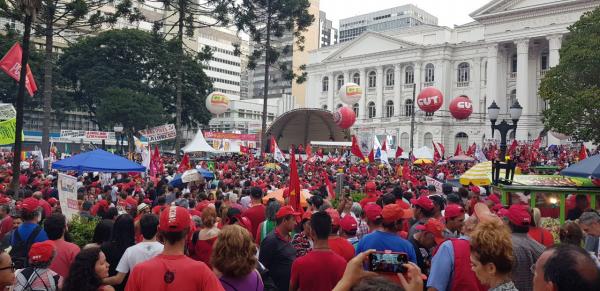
{"type": "Point", "coordinates": [448, 12]}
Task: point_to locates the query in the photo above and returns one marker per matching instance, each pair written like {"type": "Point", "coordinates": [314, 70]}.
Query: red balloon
{"type": "Point", "coordinates": [430, 99]}
{"type": "Point", "coordinates": [461, 107]}
{"type": "Point", "coordinates": [344, 117]}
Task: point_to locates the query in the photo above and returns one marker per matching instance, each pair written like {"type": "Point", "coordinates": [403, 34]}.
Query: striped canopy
{"type": "Point", "coordinates": [481, 174]}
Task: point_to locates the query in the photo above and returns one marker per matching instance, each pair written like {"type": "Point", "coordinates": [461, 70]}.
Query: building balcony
{"type": "Point", "coordinates": [543, 73]}
{"type": "Point", "coordinates": [512, 75]}
{"type": "Point", "coordinates": [389, 88]}
{"type": "Point", "coordinates": [462, 84]}
{"type": "Point", "coordinates": [409, 86]}
{"type": "Point", "coordinates": [428, 84]}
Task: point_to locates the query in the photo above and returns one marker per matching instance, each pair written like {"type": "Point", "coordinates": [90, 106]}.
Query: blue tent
{"type": "Point", "coordinates": [587, 168]}
{"type": "Point", "coordinates": [98, 161]}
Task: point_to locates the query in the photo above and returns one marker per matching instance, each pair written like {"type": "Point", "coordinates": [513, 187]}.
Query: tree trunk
{"type": "Point", "coordinates": [48, 70]}
{"type": "Point", "coordinates": [16, 166]}
{"type": "Point", "coordinates": [179, 81]}
{"type": "Point", "coordinates": [263, 141]}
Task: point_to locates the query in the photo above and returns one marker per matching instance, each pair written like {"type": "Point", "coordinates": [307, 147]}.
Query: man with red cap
{"type": "Point", "coordinates": [371, 192]}
{"type": "Point", "coordinates": [172, 269]}
{"type": "Point", "coordinates": [373, 215]}
{"type": "Point", "coordinates": [454, 215]}
{"type": "Point", "coordinates": [429, 236]}
{"type": "Point", "coordinates": [525, 249]}
{"type": "Point", "coordinates": [38, 276]}
{"type": "Point", "coordinates": [30, 213]}
{"type": "Point", "coordinates": [338, 244]}
{"type": "Point", "coordinates": [349, 227]}
{"type": "Point", "coordinates": [423, 210]}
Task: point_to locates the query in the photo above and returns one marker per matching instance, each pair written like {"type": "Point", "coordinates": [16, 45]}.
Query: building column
{"type": "Point", "coordinates": [554, 44]}
{"type": "Point", "coordinates": [491, 78]}
{"type": "Point", "coordinates": [362, 111]}
{"type": "Point", "coordinates": [331, 90]}
{"type": "Point", "coordinates": [346, 77]}
{"type": "Point", "coordinates": [379, 89]}
{"type": "Point", "coordinates": [397, 89]}
{"type": "Point", "coordinates": [418, 75]}
{"type": "Point", "coordinates": [523, 85]}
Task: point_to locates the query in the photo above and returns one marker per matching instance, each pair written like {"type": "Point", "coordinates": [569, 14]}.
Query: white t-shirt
{"type": "Point", "coordinates": [138, 253]}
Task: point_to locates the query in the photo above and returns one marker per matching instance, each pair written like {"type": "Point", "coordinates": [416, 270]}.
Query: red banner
{"type": "Point", "coordinates": [11, 65]}
{"type": "Point", "coordinates": [228, 135]}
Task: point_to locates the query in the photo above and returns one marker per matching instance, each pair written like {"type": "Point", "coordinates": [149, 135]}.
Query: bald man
{"type": "Point", "coordinates": [566, 267]}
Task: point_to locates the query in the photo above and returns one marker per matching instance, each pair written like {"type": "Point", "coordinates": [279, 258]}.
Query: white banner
{"type": "Point", "coordinates": [434, 182]}
{"type": "Point", "coordinates": [78, 135]}
{"type": "Point", "coordinates": [67, 193]}
{"type": "Point", "coordinates": [7, 111]}
{"type": "Point", "coordinates": [159, 133]}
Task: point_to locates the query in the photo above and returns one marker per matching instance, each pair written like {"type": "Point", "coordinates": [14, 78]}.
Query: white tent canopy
{"type": "Point", "coordinates": [199, 144]}
{"type": "Point", "coordinates": [423, 153]}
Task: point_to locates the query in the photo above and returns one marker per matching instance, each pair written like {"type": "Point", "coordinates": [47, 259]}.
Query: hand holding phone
{"type": "Point", "coordinates": [387, 262]}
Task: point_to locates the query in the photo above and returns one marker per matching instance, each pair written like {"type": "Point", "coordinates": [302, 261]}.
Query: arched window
{"type": "Point", "coordinates": [428, 139]}
{"type": "Point", "coordinates": [325, 84]}
{"type": "Point", "coordinates": [463, 74]}
{"type": "Point", "coordinates": [408, 107]}
{"type": "Point", "coordinates": [340, 81]}
{"type": "Point", "coordinates": [462, 139]}
{"type": "Point", "coordinates": [371, 108]}
{"type": "Point", "coordinates": [429, 73]}
{"type": "Point", "coordinates": [389, 77]}
{"type": "Point", "coordinates": [324, 107]}
{"type": "Point", "coordinates": [339, 106]}
{"type": "Point", "coordinates": [389, 108]}
{"type": "Point", "coordinates": [355, 108]}
{"type": "Point", "coordinates": [356, 78]}
{"type": "Point", "coordinates": [372, 79]}
{"type": "Point", "coordinates": [404, 141]}
{"type": "Point", "coordinates": [409, 75]}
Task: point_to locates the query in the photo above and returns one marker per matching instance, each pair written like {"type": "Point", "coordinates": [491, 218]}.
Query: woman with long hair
{"type": "Point", "coordinates": [492, 255]}
{"type": "Point", "coordinates": [87, 271]}
{"type": "Point", "coordinates": [123, 236]}
{"type": "Point", "coordinates": [202, 242]}
{"type": "Point", "coordinates": [102, 233]}
{"type": "Point", "coordinates": [234, 260]}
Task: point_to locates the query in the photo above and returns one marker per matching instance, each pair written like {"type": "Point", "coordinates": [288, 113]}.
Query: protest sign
{"type": "Point", "coordinates": [7, 131]}
{"type": "Point", "coordinates": [434, 182]}
{"type": "Point", "coordinates": [67, 192]}
{"type": "Point", "coordinates": [159, 133]}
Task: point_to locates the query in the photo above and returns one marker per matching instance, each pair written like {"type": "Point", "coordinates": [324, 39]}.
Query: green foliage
{"type": "Point", "coordinates": [572, 88]}
{"type": "Point", "coordinates": [81, 230]}
{"type": "Point", "coordinates": [132, 109]}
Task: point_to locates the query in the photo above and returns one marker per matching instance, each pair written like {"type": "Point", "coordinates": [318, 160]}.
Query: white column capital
{"type": "Point", "coordinates": [492, 50]}
{"type": "Point", "coordinates": [522, 45]}
{"type": "Point", "coordinates": [554, 37]}
{"type": "Point", "coordinates": [397, 67]}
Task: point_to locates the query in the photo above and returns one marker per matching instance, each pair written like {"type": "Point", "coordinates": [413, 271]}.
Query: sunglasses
{"type": "Point", "coordinates": [11, 267]}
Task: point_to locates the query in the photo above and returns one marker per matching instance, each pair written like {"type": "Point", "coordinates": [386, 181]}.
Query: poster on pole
{"type": "Point", "coordinates": [434, 182]}
{"type": "Point", "coordinates": [160, 133]}
{"type": "Point", "coordinates": [67, 192]}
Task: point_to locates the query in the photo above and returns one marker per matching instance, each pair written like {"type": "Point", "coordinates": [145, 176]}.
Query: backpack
{"type": "Point", "coordinates": [31, 274]}
{"type": "Point", "coordinates": [20, 249]}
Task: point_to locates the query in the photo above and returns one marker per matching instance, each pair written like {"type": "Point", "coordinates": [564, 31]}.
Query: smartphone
{"type": "Point", "coordinates": [387, 262]}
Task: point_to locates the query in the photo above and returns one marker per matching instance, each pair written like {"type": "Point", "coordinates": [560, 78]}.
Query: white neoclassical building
{"type": "Point", "coordinates": [501, 56]}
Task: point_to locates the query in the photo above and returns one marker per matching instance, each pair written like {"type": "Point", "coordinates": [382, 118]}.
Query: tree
{"type": "Point", "coordinates": [572, 88]}
{"type": "Point", "coordinates": [131, 109]}
{"type": "Point", "coordinates": [135, 60]}
{"type": "Point", "coordinates": [264, 21]}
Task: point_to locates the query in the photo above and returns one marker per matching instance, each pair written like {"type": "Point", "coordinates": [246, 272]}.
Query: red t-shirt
{"type": "Point", "coordinates": [342, 247]}
{"type": "Point", "coordinates": [256, 214]}
{"type": "Point", "coordinates": [46, 207]}
{"type": "Point", "coordinates": [65, 255]}
{"type": "Point", "coordinates": [188, 275]}
{"type": "Point", "coordinates": [5, 226]}
{"type": "Point", "coordinates": [541, 235]}
{"type": "Point", "coordinates": [318, 270]}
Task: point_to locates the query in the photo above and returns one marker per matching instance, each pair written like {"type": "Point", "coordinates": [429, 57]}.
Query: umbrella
{"type": "Point", "coordinates": [98, 161]}
{"type": "Point", "coordinates": [587, 168]}
{"type": "Point", "coordinates": [278, 195]}
{"type": "Point", "coordinates": [189, 175]}
{"type": "Point", "coordinates": [481, 174]}
{"type": "Point", "coordinates": [461, 158]}
{"type": "Point", "coordinates": [272, 166]}
{"type": "Point", "coordinates": [422, 161]}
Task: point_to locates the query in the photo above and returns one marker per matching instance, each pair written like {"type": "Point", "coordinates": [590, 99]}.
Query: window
{"type": "Point", "coordinates": [372, 79]}
{"type": "Point", "coordinates": [404, 141]}
{"type": "Point", "coordinates": [428, 139]}
{"type": "Point", "coordinates": [371, 108]}
{"type": "Point", "coordinates": [429, 73]}
{"type": "Point", "coordinates": [408, 107]}
{"type": "Point", "coordinates": [389, 77]}
{"type": "Point", "coordinates": [340, 81]}
{"type": "Point", "coordinates": [462, 139]}
{"type": "Point", "coordinates": [325, 84]}
{"type": "Point", "coordinates": [355, 109]}
{"type": "Point", "coordinates": [356, 78]}
{"type": "Point", "coordinates": [463, 74]}
{"type": "Point", "coordinates": [389, 108]}
{"type": "Point", "coordinates": [409, 75]}
{"type": "Point", "coordinates": [513, 64]}
{"type": "Point", "coordinates": [544, 61]}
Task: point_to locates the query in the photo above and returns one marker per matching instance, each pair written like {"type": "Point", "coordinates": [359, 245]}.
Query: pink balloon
{"type": "Point", "coordinates": [461, 107]}
{"type": "Point", "coordinates": [430, 99]}
{"type": "Point", "coordinates": [344, 117]}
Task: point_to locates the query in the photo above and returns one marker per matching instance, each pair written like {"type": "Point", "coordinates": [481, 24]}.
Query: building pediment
{"type": "Point", "coordinates": [498, 8]}
{"type": "Point", "coordinates": [369, 43]}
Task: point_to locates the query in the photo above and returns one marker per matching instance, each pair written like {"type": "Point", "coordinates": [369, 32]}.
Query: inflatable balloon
{"type": "Point", "coordinates": [350, 93]}
{"type": "Point", "coordinates": [217, 103]}
{"type": "Point", "coordinates": [344, 117]}
{"type": "Point", "coordinates": [559, 136]}
{"type": "Point", "coordinates": [430, 99]}
{"type": "Point", "coordinates": [461, 107]}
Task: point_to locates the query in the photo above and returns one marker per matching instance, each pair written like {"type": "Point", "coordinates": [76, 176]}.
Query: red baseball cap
{"type": "Point", "coordinates": [370, 186]}
{"type": "Point", "coordinates": [453, 210]}
{"type": "Point", "coordinates": [494, 199]}
{"type": "Point", "coordinates": [435, 227]}
{"type": "Point", "coordinates": [335, 216]}
{"type": "Point", "coordinates": [348, 223]}
{"type": "Point", "coordinates": [519, 215]}
{"type": "Point", "coordinates": [393, 212]}
{"type": "Point", "coordinates": [423, 201]}
{"type": "Point", "coordinates": [174, 219]}
{"type": "Point", "coordinates": [41, 252]}
{"type": "Point", "coordinates": [4, 200]}
{"type": "Point", "coordinates": [30, 204]}
{"type": "Point", "coordinates": [372, 211]}
{"type": "Point", "coordinates": [475, 189]}
{"type": "Point", "coordinates": [285, 211]}
{"type": "Point", "coordinates": [52, 201]}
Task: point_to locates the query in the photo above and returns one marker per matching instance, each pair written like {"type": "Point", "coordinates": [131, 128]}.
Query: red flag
{"type": "Point", "coordinates": [185, 164]}
{"type": "Point", "coordinates": [244, 149]}
{"type": "Point", "coordinates": [384, 146]}
{"type": "Point", "coordinates": [371, 156]}
{"type": "Point", "coordinates": [583, 153]}
{"type": "Point", "coordinates": [471, 150]}
{"type": "Point", "coordinates": [513, 147]}
{"type": "Point", "coordinates": [320, 152]}
{"type": "Point", "coordinates": [406, 171]}
{"type": "Point", "coordinates": [156, 163]}
{"type": "Point", "coordinates": [436, 154]}
{"type": "Point", "coordinates": [355, 149]}
{"type": "Point", "coordinates": [308, 152]}
{"type": "Point", "coordinates": [535, 148]}
{"type": "Point", "coordinates": [399, 152]}
{"type": "Point", "coordinates": [458, 151]}
{"type": "Point", "coordinates": [11, 65]}
{"type": "Point", "coordinates": [330, 191]}
{"type": "Point", "coordinates": [441, 149]}
{"type": "Point", "coordinates": [294, 186]}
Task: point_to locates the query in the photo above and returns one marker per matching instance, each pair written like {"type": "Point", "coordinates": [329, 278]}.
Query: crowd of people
{"type": "Point", "coordinates": [223, 234]}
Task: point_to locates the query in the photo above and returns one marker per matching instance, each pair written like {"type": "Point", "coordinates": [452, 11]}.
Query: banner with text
{"type": "Point", "coordinates": [434, 182]}
{"type": "Point", "coordinates": [159, 133]}
{"type": "Point", "coordinates": [7, 131]}
{"type": "Point", "coordinates": [67, 192]}
{"type": "Point", "coordinates": [228, 135]}
{"type": "Point", "coordinates": [78, 135]}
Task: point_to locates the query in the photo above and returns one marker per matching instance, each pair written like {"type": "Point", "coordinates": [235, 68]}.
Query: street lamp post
{"type": "Point", "coordinates": [504, 128]}
{"type": "Point", "coordinates": [119, 132]}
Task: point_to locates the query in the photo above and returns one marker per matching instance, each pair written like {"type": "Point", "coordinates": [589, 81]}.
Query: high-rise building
{"type": "Point", "coordinates": [224, 68]}
{"type": "Point", "coordinates": [329, 34]}
{"type": "Point", "coordinates": [393, 18]}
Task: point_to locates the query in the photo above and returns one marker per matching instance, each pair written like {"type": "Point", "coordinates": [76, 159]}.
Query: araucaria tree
{"type": "Point", "coordinates": [266, 21]}
{"type": "Point", "coordinates": [572, 88]}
